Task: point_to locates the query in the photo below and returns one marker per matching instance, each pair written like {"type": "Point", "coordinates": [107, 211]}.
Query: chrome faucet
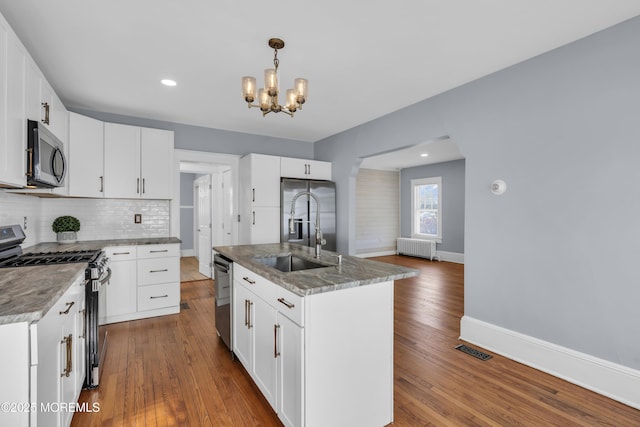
{"type": "Point", "coordinates": [320, 240]}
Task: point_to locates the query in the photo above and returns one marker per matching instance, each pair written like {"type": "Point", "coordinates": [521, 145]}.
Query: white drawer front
{"type": "Point", "coordinates": [158, 296]}
{"type": "Point", "coordinates": [287, 303]}
{"type": "Point", "coordinates": [120, 253]}
{"type": "Point", "coordinates": [159, 270]}
{"type": "Point", "coordinates": [283, 300]}
{"type": "Point", "coordinates": [158, 251]}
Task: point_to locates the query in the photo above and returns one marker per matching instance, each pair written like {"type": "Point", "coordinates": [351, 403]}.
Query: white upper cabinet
{"type": "Point", "coordinates": [43, 105]}
{"type": "Point", "coordinates": [262, 179]}
{"type": "Point", "coordinates": [156, 163]}
{"type": "Point", "coordinates": [260, 199]}
{"type": "Point", "coordinates": [121, 161]}
{"type": "Point", "coordinates": [305, 169]}
{"type": "Point", "coordinates": [86, 154]}
{"type": "Point", "coordinates": [137, 162]}
{"type": "Point", "coordinates": [12, 112]}
{"type": "Point", "coordinates": [24, 94]}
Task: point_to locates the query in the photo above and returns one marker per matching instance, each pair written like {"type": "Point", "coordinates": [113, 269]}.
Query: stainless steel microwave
{"type": "Point", "coordinates": [46, 163]}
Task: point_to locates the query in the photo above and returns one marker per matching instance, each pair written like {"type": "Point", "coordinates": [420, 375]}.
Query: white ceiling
{"type": "Point", "coordinates": [363, 59]}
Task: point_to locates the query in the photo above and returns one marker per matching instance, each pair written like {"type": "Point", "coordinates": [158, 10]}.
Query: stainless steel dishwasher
{"type": "Point", "coordinates": [223, 276]}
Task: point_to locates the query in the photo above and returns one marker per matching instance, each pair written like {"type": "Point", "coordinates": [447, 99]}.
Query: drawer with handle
{"type": "Point", "coordinates": [120, 253]}
{"type": "Point", "coordinates": [283, 300]}
{"type": "Point", "coordinates": [158, 251]}
{"type": "Point", "coordinates": [158, 296]}
{"type": "Point", "coordinates": [161, 270]}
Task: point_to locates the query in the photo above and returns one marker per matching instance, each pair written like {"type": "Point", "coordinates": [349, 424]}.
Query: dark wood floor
{"type": "Point", "coordinates": [174, 371]}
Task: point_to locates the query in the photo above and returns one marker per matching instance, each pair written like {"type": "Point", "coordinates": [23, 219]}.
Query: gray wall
{"type": "Point", "coordinates": [452, 174]}
{"type": "Point", "coordinates": [186, 210]}
{"type": "Point", "coordinates": [554, 256]}
{"type": "Point", "coordinates": [187, 137]}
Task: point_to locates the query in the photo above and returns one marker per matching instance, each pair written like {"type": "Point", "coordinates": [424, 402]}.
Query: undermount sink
{"type": "Point", "coordinates": [288, 263]}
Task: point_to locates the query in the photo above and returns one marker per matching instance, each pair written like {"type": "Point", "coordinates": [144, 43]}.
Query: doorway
{"type": "Point", "coordinates": [204, 204]}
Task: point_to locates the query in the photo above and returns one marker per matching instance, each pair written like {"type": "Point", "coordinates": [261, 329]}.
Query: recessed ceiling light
{"type": "Point", "coordinates": [168, 82]}
{"type": "Point", "coordinates": [424, 155]}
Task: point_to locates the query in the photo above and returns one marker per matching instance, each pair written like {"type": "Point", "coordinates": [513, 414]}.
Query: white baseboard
{"type": "Point", "coordinates": [188, 252]}
{"type": "Point", "coordinates": [374, 254]}
{"type": "Point", "coordinates": [607, 378]}
{"type": "Point", "coordinates": [450, 257]}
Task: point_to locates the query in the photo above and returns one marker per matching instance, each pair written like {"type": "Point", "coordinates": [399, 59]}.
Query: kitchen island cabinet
{"type": "Point", "coordinates": [318, 343]}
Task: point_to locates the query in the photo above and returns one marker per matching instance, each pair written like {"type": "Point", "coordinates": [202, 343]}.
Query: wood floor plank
{"type": "Point", "coordinates": [175, 371]}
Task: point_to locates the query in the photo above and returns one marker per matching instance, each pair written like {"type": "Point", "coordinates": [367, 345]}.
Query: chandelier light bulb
{"type": "Point", "coordinates": [249, 88]}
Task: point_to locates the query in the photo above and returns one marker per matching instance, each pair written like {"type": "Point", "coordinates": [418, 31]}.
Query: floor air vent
{"type": "Point", "coordinates": [184, 306]}
{"type": "Point", "coordinates": [472, 351]}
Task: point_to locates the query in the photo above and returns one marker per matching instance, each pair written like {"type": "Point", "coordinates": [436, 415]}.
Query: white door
{"type": "Point", "coordinates": [227, 209]}
{"type": "Point", "coordinates": [203, 225]}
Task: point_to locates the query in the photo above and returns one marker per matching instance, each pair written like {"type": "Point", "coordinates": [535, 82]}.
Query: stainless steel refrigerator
{"type": "Point", "coordinates": [306, 211]}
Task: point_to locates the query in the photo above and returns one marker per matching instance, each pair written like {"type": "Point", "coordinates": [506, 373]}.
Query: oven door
{"type": "Point", "coordinates": [96, 335]}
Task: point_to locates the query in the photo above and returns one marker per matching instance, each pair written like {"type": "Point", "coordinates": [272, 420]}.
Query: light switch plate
{"type": "Point", "coordinates": [137, 218]}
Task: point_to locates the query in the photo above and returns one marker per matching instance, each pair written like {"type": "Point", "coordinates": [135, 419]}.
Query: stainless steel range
{"type": "Point", "coordinates": [96, 274]}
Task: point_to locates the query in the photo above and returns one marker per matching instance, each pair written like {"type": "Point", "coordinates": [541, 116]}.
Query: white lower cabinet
{"type": "Point", "coordinates": [290, 371]}
{"type": "Point", "coordinates": [145, 282]}
{"type": "Point", "coordinates": [321, 360]}
{"type": "Point", "coordinates": [265, 361]}
{"type": "Point", "coordinates": [120, 291]}
{"type": "Point", "coordinates": [59, 355]}
{"type": "Point", "coordinates": [269, 345]}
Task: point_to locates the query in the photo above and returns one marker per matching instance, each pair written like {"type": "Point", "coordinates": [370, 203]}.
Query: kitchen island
{"type": "Point", "coordinates": [315, 334]}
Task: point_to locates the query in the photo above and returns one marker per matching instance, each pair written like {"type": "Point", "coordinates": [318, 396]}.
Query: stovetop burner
{"type": "Point", "coordinates": [50, 258]}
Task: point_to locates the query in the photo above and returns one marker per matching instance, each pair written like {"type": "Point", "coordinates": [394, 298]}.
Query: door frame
{"type": "Point", "coordinates": [206, 161]}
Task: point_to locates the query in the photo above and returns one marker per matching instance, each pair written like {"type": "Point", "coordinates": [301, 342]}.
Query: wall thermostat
{"type": "Point", "coordinates": [498, 187]}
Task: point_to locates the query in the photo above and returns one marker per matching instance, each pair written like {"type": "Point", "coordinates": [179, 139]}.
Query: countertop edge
{"type": "Point", "coordinates": [314, 281]}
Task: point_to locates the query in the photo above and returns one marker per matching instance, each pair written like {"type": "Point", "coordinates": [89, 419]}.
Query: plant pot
{"type": "Point", "coordinates": [67, 237]}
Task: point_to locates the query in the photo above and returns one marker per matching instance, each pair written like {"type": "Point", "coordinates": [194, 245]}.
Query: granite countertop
{"type": "Point", "coordinates": [352, 273]}
{"type": "Point", "coordinates": [98, 244]}
{"type": "Point", "coordinates": [27, 293]}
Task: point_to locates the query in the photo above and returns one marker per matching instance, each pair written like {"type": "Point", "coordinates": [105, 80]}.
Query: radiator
{"type": "Point", "coordinates": [417, 247]}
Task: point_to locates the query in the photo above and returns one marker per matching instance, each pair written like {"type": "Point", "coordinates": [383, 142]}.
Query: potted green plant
{"type": "Point", "coordinates": [66, 228]}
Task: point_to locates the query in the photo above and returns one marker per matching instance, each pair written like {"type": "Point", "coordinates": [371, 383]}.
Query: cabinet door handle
{"type": "Point", "coordinates": [159, 271]}
{"type": "Point", "coordinates": [253, 198]}
{"type": "Point", "coordinates": [121, 253]}
{"type": "Point", "coordinates": [246, 279]}
{"type": "Point", "coordinates": [254, 217]}
{"type": "Point", "coordinates": [68, 343]}
{"type": "Point", "coordinates": [246, 313]}
{"type": "Point", "coordinates": [276, 353]}
{"type": "Point", "coordinates": [45, 105]}
{"type": "Point", "coordinates": [138, 186]}
{"type": "Point", "coordinates": [285, 302]}
{"type": "Point", "coordinates": [161, 296]}
{"type": "Point", "coordinates": [69, 305]}
{"type": "Point", "coordinates": [158, 251]}
{"type": "Point", "coordinates": [102, 184]}
{"type": "Point", "coordinates": [143, 186]}
{"type": "Point", "coordinates": [309, 168]}
{"type": "Point", "coordinates": [250, 320]}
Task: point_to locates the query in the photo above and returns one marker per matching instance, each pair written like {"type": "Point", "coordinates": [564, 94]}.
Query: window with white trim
{"type": "Point", "coordinates": [426, 208]}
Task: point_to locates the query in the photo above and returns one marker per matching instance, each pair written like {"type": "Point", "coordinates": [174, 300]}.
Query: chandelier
{"type": "Point", "coordinates": [268, 96]}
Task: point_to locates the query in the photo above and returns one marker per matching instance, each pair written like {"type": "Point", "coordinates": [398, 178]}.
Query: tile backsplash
{"type": "Point", "coordinates": [99, 218]}
{"type": "Point", "coordinates": [15, 207]}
